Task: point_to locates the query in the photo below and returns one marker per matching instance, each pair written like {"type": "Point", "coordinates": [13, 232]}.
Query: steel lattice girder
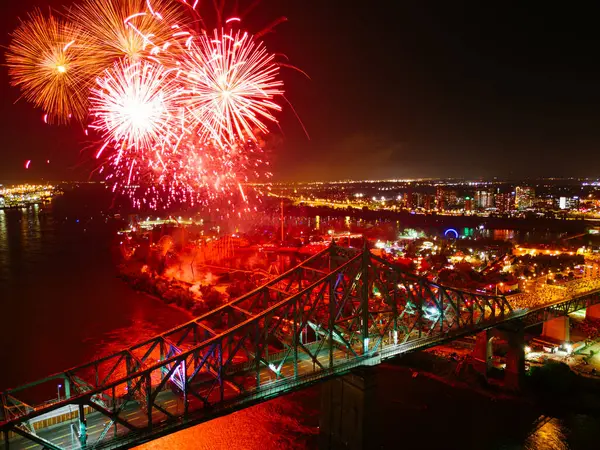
{"type": "Point", "coordinates": [90, 377]}
{"type": "Point", "coordinates": [335, 310]}
{"type": "Point", "coordinates": [558, 309]}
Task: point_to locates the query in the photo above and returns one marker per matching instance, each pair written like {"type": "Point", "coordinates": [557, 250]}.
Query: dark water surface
{"type": "Point", "coordinates": [61, 305]}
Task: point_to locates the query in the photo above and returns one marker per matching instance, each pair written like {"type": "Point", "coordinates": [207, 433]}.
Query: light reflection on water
{"type": "Point", "coordinates": [549, 436]}
{"type": "Point", "coordinates": [4, 263]}
{"type": "Point", "coordinates": [279, 424]}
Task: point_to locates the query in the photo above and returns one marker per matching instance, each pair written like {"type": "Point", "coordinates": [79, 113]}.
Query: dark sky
{"type": "Point", "coordinates": [398, 89]}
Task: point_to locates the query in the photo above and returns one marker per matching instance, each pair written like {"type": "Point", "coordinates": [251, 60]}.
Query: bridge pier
{"type": "Point", "coordinates": [483, 352]}
{"type": "Point", "coordinates": [515, 357]}
{"type": "Point", "coordinates": [593, 312]}
{"type": "Point", "coordinates": [557, 329]}
{"type": "Point", "coordinates": [348, 404]}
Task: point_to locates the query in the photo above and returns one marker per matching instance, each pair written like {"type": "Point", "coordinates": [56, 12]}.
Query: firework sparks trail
{"type": "Point", "coordinates": [181, 113]}
{"type": "Point", "coordinates": [197, 173]}
{"type": "Point", "coordinates": [135, 105]}
{"type": "Point", "coordinates": [116, 29]}
{"type": "Point", "coordinates": [231, 83]}
{"type": "Point", "coordinates": [135, 109]}
{"type": "Point", "coordinates": [47, 61]}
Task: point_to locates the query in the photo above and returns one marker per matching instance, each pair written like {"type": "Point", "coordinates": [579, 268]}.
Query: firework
{"type": "Point", "coordinates": [131, 29]}
{"type": "Point", "coordinates": [217, 173]}
{"type": "Point", "coordinates": [181, 114]}
{"type": "Point", "coordinates": [216, 169]}
{"type": "Point", "coordinates": [231, 82]}
{"type": "Point", "coordinates": [194, 173]}
{"type": "Point", "coordinates": [135, 106]}
{"type": "Point", "coordinates": [47, 61]}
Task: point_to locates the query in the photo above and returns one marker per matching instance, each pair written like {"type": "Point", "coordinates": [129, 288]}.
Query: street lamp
{"type": "Point", "coordinates": [58, 391]}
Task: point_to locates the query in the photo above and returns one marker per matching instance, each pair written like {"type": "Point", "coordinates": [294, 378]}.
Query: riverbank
{"type": "Point", "coordinates": [197, 298]}
{"type": "Point", "coordinates": [169, 291]}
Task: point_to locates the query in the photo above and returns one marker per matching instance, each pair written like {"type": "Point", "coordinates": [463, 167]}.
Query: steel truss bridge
{"type": "Point", "coordinates": [337, 310]}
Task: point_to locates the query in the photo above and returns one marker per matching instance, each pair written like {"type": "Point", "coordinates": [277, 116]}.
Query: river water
{"type": "Point", "coordinates": [61, 305]}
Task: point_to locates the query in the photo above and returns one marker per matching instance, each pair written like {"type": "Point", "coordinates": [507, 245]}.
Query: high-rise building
{"type": "Point", "coordinates": [524, 197]}
{"type": "Point", "coordinates": [408, 200]}
{"type": "Point", "coordinates": [412, 200]}
{"type": "Point", "coordinates": [445, 198]}
{"type": "Point", "coordinates": [452, 199]}
{"type": "Point", "coordinates": [484, 199]}
{"type": "Point", "coordinates": [505, 202]}
{"type": "Point", "coordinates": [468, 204]}
{"type": "Point", "coordinates": [562, 202]}
{"type": "Point", "coordinates": [440, 199]}
{"type": "Point", "coordinates": [427, 202]}
{"type": "Point", "coordinates": [416, 200]}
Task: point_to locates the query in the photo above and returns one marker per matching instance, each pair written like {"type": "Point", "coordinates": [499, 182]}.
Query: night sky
{"type": "Point", "coordinates": [396, 91]}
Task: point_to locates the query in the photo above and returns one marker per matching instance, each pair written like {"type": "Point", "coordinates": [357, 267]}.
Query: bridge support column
{"type": "Point", "coordinates": [483, 352]}
{"type": "Point", "coordinates": [557, 329]}
{"type": "Point", "coordinates": [515, 357]}
{"type": "Point", "coordinates": [82, 427]}
{"type": "Point", "coordinates": [348, 412]}
{"type": "Point", "coordinates": [67, 388]}
{"type": "Point", "coordinates": [593, 312]}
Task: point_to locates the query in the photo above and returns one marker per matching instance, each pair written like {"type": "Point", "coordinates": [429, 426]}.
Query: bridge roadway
{"type": "Point", "coordinates": [361, 310]}
{"type": "Point", "coordinates": [64, 435]}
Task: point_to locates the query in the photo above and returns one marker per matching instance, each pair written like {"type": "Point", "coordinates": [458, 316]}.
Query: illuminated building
{"type": "Point", "coordinates": [413, 200]}
{"type": "Point", "coordinates": [417, 200]}
{"type": "Point", "coordinates": [505, 201]}
{"type": "Point", "coordinates": [439, 198]}
{"type": "Point", "coordinates": [451, 198]}
{"type": "Point", "coordinates": [524, 197]}
{"type": "Point", "coordinates": [408, 200]}
{"type": "Point", "coordinates": [568, 202]}
{"type": "Point", "coordinates": [420, 200]}
{"type": "Point", "coordinates": [468, 204]}
{"type": "Point", "coordinates": [427, 202]}
{"type": "Point", "coordinates": [25, 194]}
{"type": "Point", "coordinates": [484, 199]}
{"type": "Point", "coordinates": [445, 198]}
